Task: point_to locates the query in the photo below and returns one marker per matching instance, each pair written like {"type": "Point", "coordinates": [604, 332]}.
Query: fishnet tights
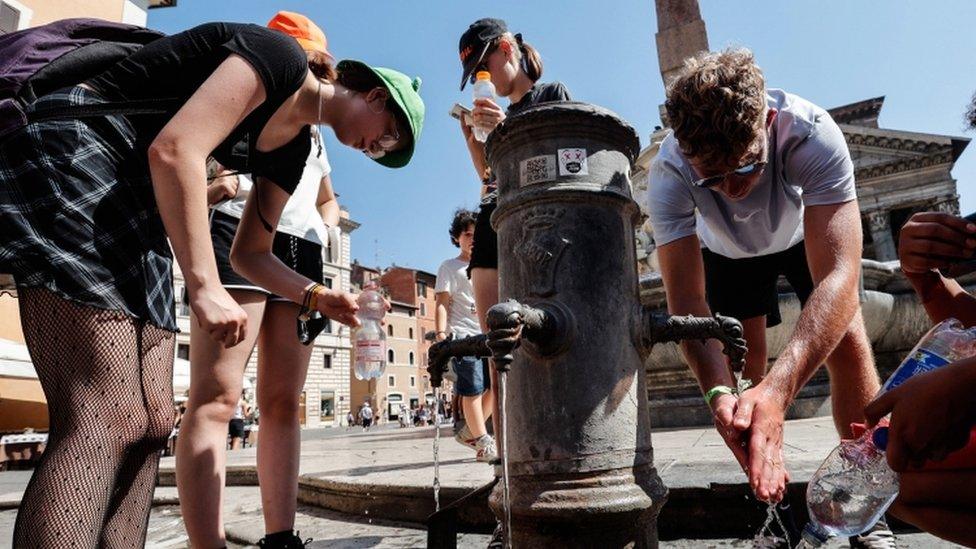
{"type": "Point", "coordinates": [108, 380]}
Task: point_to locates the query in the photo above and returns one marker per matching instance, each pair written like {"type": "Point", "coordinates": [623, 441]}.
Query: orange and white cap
{"type": "Point", "coordinates": [301, 28]}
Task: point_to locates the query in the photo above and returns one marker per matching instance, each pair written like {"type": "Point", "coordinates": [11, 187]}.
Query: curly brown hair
{"type": "Point", "coordinates": [717, 106]}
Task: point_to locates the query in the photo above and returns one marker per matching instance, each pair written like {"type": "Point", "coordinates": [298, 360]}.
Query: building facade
{"type": "Point", "coordinates": [325, 399]}
{"type": "Point", "coordinates": [21, 14]}
{"type": "Point", "coordinates": [416, 288]}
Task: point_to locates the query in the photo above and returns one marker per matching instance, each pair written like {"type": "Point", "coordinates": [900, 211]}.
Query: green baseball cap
{"type": "Point", "coordinates": [403, 90]}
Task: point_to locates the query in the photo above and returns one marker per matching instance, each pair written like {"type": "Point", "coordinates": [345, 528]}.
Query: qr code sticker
{"type": "Point", "coordinates": [537, 170]}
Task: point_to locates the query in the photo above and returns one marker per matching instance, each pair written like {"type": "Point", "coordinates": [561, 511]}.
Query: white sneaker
{"type": "Point", "coordinates": [878, 537]}
{"type": "Point", "coordinates": [486, 449]}
{"type": "Point", "coordinates": [464, 436]}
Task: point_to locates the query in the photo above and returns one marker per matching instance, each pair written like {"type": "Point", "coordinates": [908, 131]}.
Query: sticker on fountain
{"type": "Point", "coordinates": [538, 169]}
{"type": "Point", "coordinates": [543, 246]}
{"type": "Point", "coordinates": [572, 162]}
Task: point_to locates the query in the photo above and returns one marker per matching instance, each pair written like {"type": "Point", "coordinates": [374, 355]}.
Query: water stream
{"type": "Point", "coordinates": [765, 537]}
{"type": "Point", "coordinates": [437, 446]}
{"type": "Point", "coordinates": [503, 445]}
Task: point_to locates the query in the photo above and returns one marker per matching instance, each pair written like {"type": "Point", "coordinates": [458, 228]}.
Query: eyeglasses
{"type": "Point", "coordinates": [386, 143]}
{"type": "Point", "coordinates": [742, 171]}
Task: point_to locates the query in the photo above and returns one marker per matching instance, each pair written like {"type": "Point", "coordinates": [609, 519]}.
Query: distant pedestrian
{"type": "Point", "coordinates": [350, 420]}
{"type": "Point", "coordinates": [366, 416]}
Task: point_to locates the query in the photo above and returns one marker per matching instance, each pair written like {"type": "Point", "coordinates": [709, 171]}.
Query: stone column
{"type": "Point", "coordinates": [680, 34]}
{"type": "Point", "coordinates": [879, 223]}
{"type": "Point", "coordinates": [949, 205]}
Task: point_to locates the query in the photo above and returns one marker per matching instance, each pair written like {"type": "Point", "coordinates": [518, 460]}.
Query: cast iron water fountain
{"type": "Point", "coordinates": [572, 333]}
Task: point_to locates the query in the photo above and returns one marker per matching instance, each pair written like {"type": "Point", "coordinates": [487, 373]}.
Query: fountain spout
{"type": "Point", "coordinates": [655, 326]}
{"type": "Point", "coordinates": [547, 327]}
{"type": "Point", "coordinates": [441, 353]}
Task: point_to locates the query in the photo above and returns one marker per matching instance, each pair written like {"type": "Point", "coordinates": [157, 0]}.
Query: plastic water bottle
{"type": "Point", "coordinates": [854, 486]}
{"type": "Point", "coordinates": [483, 89]}
{"type": "Point", "coordinates": [369, 339]}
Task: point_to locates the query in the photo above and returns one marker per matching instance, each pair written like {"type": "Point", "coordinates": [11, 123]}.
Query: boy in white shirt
{"type": "Point", "coordinates": [456, 315]}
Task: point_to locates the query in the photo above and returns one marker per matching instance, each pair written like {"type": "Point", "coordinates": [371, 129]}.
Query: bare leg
{"type": "Point", "coordinates": [216, 377]}
{"type": "Point", "coordinates": [485, 284]}
{"type": "Point", "coordinates": [474, 414]}
{"type": "Point", "coordinates": [754, 330]}
{"type": "Point", "coordinates": [235, 442]}
{"type": "Point", "coordinates": [282, 367]}
{"type": "Point", "coordinates": [853, 376]}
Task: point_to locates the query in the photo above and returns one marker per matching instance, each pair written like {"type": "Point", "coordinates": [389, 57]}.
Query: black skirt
{"type": "Point", "coordinates": [78, 216]}
{"type": "Point", "coordinates": [484, 251]}
{"type": "Point", "coordinates": [300, 255]}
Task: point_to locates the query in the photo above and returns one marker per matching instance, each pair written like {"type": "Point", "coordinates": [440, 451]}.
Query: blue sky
{"type": "Point", "coordinates": [832, 52]}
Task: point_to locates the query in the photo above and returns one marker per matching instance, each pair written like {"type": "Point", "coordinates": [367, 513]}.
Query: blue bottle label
{"type": "Point", "coordinates": [920, 362]}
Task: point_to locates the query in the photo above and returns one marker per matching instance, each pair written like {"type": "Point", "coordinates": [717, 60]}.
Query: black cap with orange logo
{"type": "Point", "coordinates": [475, 43]}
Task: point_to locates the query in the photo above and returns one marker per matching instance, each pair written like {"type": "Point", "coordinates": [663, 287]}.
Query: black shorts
{"type": "Point", "coordinates": [236, 428]}
{"type": "Point", "coordinates": [484, 252]}
{"type": "Point", "coordinates": [746, 288]}
{"type": "Point", "coordinates": [302, 256]}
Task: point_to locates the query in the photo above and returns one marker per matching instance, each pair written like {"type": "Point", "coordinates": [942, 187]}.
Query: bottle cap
{"type": "Point", "coordinates": [880, 438]}
{"type": "Point", "coordinates": [483, 75]}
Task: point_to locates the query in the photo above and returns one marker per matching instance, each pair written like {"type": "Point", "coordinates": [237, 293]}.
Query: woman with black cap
{"type": "Point", "coordinates": [515, 67]}
{"type": "Point", "coordinates": [89, 210]}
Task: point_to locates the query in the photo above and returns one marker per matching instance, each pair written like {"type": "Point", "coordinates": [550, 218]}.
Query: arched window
{"type": "Point", "coordinates": [390, 357]}
{"type": "Point", "coordinates": [410, 357]}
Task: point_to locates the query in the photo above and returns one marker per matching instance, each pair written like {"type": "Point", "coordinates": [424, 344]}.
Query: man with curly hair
{"type": "Point", "coordinates": [751, 184]}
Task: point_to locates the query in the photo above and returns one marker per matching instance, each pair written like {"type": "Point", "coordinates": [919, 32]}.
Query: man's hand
{"type": "Point", "coordinates": [221, 188]}
{"type": "Point", "coordinates": [932, 240]}
{"type": "Point", "coordinates": [761, 412]}
{"type": "Point", "coordinates": [723, 412]}
{"type": "Point", "coordinates": [931, 414]}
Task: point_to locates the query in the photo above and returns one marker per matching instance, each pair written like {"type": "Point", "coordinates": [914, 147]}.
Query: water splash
{"type": "Point", "coordinates": [765, 537]}
{"type": "Point", "coordinates": [503, 444]}
{"type": "Point", "coordinates": [437, 446]}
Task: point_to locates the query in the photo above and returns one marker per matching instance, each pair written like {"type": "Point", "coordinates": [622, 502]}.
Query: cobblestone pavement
{"type": "Point", "coordinates": [332, 531]}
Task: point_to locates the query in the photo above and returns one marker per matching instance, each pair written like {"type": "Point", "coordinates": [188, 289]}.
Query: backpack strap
{"type": "Point", "coordinates": [135, 107]}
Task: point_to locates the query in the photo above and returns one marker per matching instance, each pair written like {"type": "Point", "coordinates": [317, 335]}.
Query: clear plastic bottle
{"type": "Point", "coordinates": [483, 89]}
{"type": "Point", "coordinates": [854, 486]}
{"type": "Point", "coordinates": [369, 339]}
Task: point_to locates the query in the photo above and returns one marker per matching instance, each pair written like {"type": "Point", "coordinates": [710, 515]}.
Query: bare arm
{"type": "Point", "coordinates": [835, 261]}
{"type": "Point", "coordinates": [251, 256]}
{"type": "Point", "coordinates": [684, 281]}
{"type": "Point", "coordinates": [177, 162]}
{"type": "Point", "coordinates": [683, 273]}
{"type": "Point", "coordinates": [477, 151]}
{"type": "Point", "coordinates": [443, 300]}
{"type": "Point", "coordinates": [934, 240]}
{"type": "Point", "coordinates": [327, 204]}
{"type": "Point", "coordinates": [835, 265]}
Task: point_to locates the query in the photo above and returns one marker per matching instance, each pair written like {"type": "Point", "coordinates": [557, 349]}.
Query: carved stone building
{"type": "Point", "coordinates": [898, 173]}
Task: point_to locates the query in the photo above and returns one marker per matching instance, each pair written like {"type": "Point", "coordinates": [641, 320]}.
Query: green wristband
{"type": "Point", "coordinates": [718, 390]}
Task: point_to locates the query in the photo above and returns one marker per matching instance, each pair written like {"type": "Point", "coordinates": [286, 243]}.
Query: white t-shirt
{"type": "Point", "coordinates": [300, 217]}
{"type": "Point", "coordinates": [809, 165]}
{"type": "Point", "coordinates": [366, 413]}
{"type": "Point", "coordinates": [462, 317]}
